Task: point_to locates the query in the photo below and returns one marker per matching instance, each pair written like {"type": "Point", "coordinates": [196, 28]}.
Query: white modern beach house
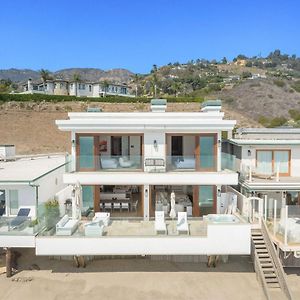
{"type": "Point", "coordinates": [148, 183]}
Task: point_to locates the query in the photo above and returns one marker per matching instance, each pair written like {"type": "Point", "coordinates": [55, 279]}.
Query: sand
{"type": "Point", "coordinates": [135, 278]}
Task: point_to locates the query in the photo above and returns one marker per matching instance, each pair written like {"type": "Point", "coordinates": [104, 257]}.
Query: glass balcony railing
{"type": "Point", "coordinates": [228, 162]}
{"type": "Point", "coordinates": [109, 163]}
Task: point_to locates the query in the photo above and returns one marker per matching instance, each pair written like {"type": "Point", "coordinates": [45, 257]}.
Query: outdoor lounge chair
{"type": "Point", "coordinates": [182, 223]}
{"type": "Point", "coordinates": [160, 225]}
{"type": "Point", "coordinates": [94, 228]}
{"type": "Point", "coordinates": [21, 218]}
{"type": "Point", "coordinates": [66, 226]}
{"type": "Point", "coordinates": [2, 219]}
{"type": "Point", "coordinates": [102, 216]}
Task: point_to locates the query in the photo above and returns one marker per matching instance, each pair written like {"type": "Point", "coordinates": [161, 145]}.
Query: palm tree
{"type": "Point", "coordinates": [105, 85]}
{"type": "Point", "coordinates": [136, 80]}
{"type": "Point", "coordinates": [45, 75]}
{"type": "Point", "coordinates": [154, 83]}
{"type": "Point", "coordinates": [176, 86]}
{"type": "Point", "coordinates": [76, 79]}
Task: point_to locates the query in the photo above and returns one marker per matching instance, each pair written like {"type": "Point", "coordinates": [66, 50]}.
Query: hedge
{"type": "Point", "coordinates": [112, 99]}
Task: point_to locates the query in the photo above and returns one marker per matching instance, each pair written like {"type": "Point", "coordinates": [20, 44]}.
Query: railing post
{"type": "Point", "coordinates": [265, 202]}
{"type": "Point", "coordinates": [250, 173]}
{"type": "Point", "coordinates": [285, 225]}
{"type": "Point", "coordinates": [275, 217]}
{"type": "Point", "coordinates": [277, 172]}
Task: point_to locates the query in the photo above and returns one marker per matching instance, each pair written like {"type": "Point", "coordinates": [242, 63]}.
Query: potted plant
{"type": "Point", "coordinates": [51, 213]}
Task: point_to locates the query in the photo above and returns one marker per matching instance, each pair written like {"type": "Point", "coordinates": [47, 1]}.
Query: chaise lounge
{"type": "Point", "coordinates": [182, 223]}
{"type": "Point", "coordinates": [160, 225]}
{"type": "Point", "coordinates": [21, 218]}
{"type": "Point", "coordinates": [103, 217]}
{"type": "Point", "coordinates": [66, 226]}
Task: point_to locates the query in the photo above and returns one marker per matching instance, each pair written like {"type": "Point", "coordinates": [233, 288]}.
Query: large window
{"type": "Point", "coordinates": [87, 197]}
{"type": "Point", "coordinates": [207, 152]}
{"type": "Point", "coordinates": [86, 152]}
{"type": "Point", "coordinates": [270, 161]}
{"type": "Point", "coordinates": [207, 199]}
{"type": "Point", "coordinates": [13, 202]}
{"type": "Point", "coordinates": [2, 201]}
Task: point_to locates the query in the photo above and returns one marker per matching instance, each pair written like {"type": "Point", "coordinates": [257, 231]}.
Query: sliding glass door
{"type": "Point", "coordinates": [269, 162]}
{"type": "Point", "coordinates": [207, 153]}
{"type": "Point", "coordinates": [86, 152]}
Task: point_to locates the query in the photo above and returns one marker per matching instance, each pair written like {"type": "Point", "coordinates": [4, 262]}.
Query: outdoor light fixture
{"type": "Point", "coordinates": [155, 144]}
{"type": "Point", "coordinates": [252, 194]}
{"type": "Point", "coordinates": [249, 152]}
{"type": "Point", "coordinates": [219, 193]}
{"type": "Point", "coordinates": [219, 141]}
{"type": "Point", "coordinates": [73, 142]}
{"type": "Point", "coordinates": [146, 193]}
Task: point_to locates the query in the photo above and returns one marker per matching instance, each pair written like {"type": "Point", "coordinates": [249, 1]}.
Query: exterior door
{"type": "Point", "coordinates": [204, 200]}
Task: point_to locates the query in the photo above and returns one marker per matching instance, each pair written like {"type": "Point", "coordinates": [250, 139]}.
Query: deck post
{"type": "Point", "coordinates": [285, 224]}
{"type": "Point", "coordinates": [275, 217]}
{"type": "Point", "coordinates": [266, 205]}
{"type": "Point", "coordinates": [8, 263]}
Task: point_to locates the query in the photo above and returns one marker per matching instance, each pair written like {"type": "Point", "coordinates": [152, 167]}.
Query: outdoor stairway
{"type": "Point", "coordinates": [270, 275]}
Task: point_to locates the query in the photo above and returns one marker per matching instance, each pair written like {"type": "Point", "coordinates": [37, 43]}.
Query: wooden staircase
{"type": "Point", "coordinates": [268, 266]}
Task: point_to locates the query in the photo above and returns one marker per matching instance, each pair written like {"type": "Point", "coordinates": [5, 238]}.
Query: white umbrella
{"type": "Point", "coordinates": [76, 203]}
{"type": "Point", "coordinates": [173, 211]}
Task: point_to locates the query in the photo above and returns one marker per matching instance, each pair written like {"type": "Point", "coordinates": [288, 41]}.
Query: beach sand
{"type": "Point", "coordinates": [131, 278]}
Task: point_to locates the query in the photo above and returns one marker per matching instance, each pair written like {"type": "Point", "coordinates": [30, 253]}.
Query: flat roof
{"type": "Point", "coordinates": [27, 169]}
{"type": "Point", "coordinates": [285, 130]}
{"type": "Point", "coordinates": [242, 142]}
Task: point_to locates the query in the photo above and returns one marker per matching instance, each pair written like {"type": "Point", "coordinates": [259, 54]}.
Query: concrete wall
{"type": "Point", "coordinates": [220, 240]}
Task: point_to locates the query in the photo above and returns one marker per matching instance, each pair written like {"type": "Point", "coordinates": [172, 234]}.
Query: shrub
{"type": "Point", "coordinates": [263, 121]}
{"type": "Point", "coordinates": [111, 99]}
{"type": "Point", "coordinates": [51, 213]}
{"type": "Point", "coordinates": [295, 114]}
{"type": "Point", "coordinates": [246, 74]}
{"type": "Point", "coordinates": [279, 83]}
{"type": "Point", "coordinates": [296, 86]}
{"type": "Point", "coordinates": [276, 122]}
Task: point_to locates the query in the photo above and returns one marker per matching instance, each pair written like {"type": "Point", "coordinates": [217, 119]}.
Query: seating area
{"type": "Point", "coordinates": [118, 162]}
{"type": "Point", "coordinates": [66, 226]}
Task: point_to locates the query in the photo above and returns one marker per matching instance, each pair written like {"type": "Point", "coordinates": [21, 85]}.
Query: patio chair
{"type": "Point", "coordinates": [94, 228]}
{"type": "Point", "coordinates": [117, 205]}
{"type": "Point", "coordinates": [66, 226]}
{"type": "Point", "coordinates": [160, 225]}
{"type": "Point", "coordinates": [182, 223]}
{"type": "Point", "coordinates": [21, 218]}
{"type": "Point", "coordinates": [102, 216]}
{"type": "Point", "coordinates": [108, 206]}
{"type": "Point", "coordinates": [125, 205]}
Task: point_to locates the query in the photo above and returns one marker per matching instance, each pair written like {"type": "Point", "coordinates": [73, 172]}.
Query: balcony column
{"type": "Point", "coordinates": [146, 201]}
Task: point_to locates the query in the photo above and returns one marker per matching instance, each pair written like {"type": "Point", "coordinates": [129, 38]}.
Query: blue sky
{"type": "Point", "coordinates": [137, 34]}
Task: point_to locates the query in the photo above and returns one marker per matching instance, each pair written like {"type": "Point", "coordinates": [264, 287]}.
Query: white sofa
{"type": "Point", "coordinates": [102, 217]}
{"type": "Point", "coordinates": [108, 163]}
{"type": "Point", "coordinates": [185, 163]}
{"type": "Point", "coordinates": [66, 226]}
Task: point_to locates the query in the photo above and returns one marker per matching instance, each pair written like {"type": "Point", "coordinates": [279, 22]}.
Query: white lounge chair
{"type": "Point", "coordinates": [102, 216]}
{"type": "Point", "coordinates": [182, 223]}
{"type": "Point", "coordinates": [66, 226]}
{"type": "Point", "coordinates": [160, 225]}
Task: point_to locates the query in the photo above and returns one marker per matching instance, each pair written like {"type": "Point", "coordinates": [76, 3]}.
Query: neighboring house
{"type": "Point", "coordinates": [27, 182]}
{"type": "Point", "coordinates": [79, 89]}
{"type": "Point", "coordinates": [130, 164]}
{"type": "Point", "coordinates": [268, 163]}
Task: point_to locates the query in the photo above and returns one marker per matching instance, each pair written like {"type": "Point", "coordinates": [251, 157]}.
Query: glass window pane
{"type": "Point", "coordinates": [281, 161]}
{"type": "Point", "coordinates": [2, 201]}
{"type": "Point", "coordinates": [264, 162]}
{"type": "Point", "coordinates": [206, 199]}
{"type": "Point", "coordinates": [86, 144]}
{"type": "Point", "coordinates": [207, 152]}
{"type": "Point", "coordinates": [87, 197]}
{"type": "Point", "coordinates": [13, 202]}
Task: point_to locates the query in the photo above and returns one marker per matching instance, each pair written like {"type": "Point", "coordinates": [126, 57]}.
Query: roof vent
{"type": "Point", "coordinates": [211, 105]}
{"type": "Point", "coordinates": [94, 109]}
{"type": "Point", "coordinates": [158, 105]}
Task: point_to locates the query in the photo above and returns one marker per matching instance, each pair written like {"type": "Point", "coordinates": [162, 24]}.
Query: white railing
{"type": "Point", "coordinates": [248, 172]}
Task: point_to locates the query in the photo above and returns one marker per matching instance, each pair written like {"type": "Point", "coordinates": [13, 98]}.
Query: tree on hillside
{"type": "Point", "coordinates": [105, 85]}
{"type": "Point", "coordinates": [76, 79]}
{"type": "Point", "coordinates": [154, 69]}
{"type": "Point", "coordinates": [224, 60]}
{"type": "Point", "coordinates": [154, 84]}
{"type": "Point", "coordinates": [45, 75]}
{"type": "Point", "coordinates": [176, 87]}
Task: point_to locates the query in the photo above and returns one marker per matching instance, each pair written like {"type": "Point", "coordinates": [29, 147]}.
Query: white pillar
{"type": "Point", "coordinates": [285, 224]}
{"type": "Point", "coordinates": [266, 205]}
{"type": "Point", "coordinates": [74, 208]}
{"type": "Point", "coordinates": [146, 202]}
{"type": "Point", "coordinates": [275, 217]}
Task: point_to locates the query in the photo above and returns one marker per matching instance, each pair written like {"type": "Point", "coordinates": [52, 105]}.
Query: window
{"type": "Point", "coordinates": [61, 85]}
{"type": "Point", "coordinates": [87, 197]}
{"type": "Point", "coordinates": [81, 86]}
{"type": "Point", "coordinates": [207, 152]}
{"type": "Point", "coordinates": [2, 200]}
{"type": "Point", "coordinates": [207, 199]}
{"type": "Point", "coordinates": [71, 85]}
{"type": "Point", "coordinates": [270, 161]}
{"type": "Point", "coordinates": [13, 202]}
{"type": "Point", "coordinates": [86, 148]}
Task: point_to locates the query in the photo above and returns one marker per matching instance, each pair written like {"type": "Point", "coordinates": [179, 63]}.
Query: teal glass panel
{"type": "Point", "coordinates": [86, 159]}
{"type": "Point", "coordinates": [206, 199]}
{"type": "Point", "coordinates": [207, 152]}
{"type": "Point", "coordinates": [87, 196]}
